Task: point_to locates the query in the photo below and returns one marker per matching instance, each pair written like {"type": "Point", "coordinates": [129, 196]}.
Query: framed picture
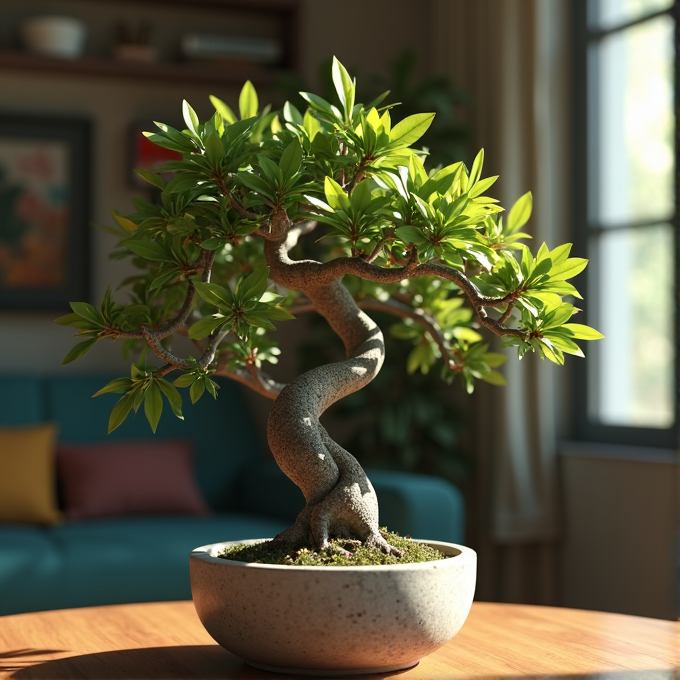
{"type": "Point", "coordinates": [44, 212]}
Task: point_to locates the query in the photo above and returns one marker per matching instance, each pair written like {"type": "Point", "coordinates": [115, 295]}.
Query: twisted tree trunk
{"type": "Point", "coordinates": [340, 499]}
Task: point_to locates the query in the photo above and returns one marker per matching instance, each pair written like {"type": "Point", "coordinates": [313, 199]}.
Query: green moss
{"type": "Point", "coordinates": [342, 553]}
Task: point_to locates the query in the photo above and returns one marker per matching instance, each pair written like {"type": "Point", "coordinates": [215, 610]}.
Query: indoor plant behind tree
{"type": "Point", "coordinates": [222, 257]}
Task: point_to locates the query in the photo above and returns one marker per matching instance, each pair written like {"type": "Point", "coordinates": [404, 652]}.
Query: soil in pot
{"type": "Point", "coordinates": [341, 553]}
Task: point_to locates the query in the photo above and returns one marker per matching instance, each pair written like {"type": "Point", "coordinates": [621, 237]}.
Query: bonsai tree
{"type": "Point", "coordinates": [222, 257]}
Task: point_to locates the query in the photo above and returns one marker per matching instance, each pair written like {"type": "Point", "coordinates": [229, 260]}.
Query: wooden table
{"type": "Point", "coordinates": [166, 640]}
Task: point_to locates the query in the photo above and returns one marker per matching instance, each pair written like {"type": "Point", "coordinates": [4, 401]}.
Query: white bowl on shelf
{"type": "Point", "coordinates": [54, 36]}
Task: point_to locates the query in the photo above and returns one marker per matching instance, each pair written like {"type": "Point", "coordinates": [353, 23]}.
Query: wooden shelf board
{"type": "Point", "coordinates": [159, 72]}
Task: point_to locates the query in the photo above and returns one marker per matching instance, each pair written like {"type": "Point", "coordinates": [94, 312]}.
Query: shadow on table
{"type": "Point", "coordinates": [166, 663]}
{"type": "Point", "coordinates": [14, 659]}
{"type": "Point", "coordinates": [208, 662]}
{"type": "Point", "coordinates": [212, 662]}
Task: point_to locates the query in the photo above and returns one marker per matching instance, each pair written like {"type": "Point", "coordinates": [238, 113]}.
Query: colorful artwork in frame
{"type": "Point", "coordinates": [44, 212]}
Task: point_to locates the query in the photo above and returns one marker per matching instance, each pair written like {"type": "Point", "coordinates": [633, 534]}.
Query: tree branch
{"type": "Point", "coordinates": [210, 350]}
{"type": "Point", "coordinates": [429, 323]}
{"type": "Point", "coordinates": [403, 311]}
{"type": "Point", "coordinates": [300, 274]}
{"type": "Point", "coordinates": [389, 236]}
{"type": "Point", "coordinates": [162, 353]}
{"type": "Point", "coordinates": [254, 379]}
{"type": "Point", "coordinates": [506, 314]}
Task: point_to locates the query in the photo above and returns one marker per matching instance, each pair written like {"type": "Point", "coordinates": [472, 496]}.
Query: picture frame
{"type": "Point", "coordinates": [44, 211]}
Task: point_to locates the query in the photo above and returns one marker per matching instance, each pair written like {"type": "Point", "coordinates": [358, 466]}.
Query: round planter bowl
{"type": "Point", "coordinates": [54, 36]}
{"type": "Point", "coordinates": [332, 620]}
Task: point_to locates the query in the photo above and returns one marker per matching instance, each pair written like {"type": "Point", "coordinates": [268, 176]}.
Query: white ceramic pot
{"type": "Point", "coordinates": [332, 620]}
{"type": "Point", "coordinates": [54, 36]}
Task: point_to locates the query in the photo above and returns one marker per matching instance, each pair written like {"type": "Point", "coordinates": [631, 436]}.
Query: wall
{"type": "Point", "coordinates": [620, 541]}
{"type": "Point", "coordinates": [380, 29]}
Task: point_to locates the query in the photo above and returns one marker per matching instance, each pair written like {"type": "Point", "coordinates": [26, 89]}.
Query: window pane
{"type": "Point", "coordinates": [633, 376]}
{"type": "Point", "coordinates": [631, 131]}
{"type": "Point", "coordinates": [605, 14]}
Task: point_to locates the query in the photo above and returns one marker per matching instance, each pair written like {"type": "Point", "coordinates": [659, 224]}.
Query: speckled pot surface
{"type": "Point", "coordinates": [326, 620]}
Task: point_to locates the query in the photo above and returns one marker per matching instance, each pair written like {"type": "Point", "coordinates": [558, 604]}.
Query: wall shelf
{"type": "Point", "coordinates": [161, 72]}
{"type": "Point", "coordinates": [273, 19]}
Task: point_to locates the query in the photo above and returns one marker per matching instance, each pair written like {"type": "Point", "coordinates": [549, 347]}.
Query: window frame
{"type": "Point", "coordinates": [582, 164]}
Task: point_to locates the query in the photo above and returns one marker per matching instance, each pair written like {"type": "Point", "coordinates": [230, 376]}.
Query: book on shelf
{"type": "Point", "coordinates": [255, 50]}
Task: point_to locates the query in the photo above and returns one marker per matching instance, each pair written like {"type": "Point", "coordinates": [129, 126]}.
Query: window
{"type": "Point", "coordinates": [626, 162]}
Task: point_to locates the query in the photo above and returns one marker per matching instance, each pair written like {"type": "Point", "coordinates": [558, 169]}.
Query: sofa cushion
{"type": "Point", "coordinates": [27, 474]}
{"type": "Point", "coordinates": [128, 478]}
{"type": "Point", "coordinates": [222, 429]}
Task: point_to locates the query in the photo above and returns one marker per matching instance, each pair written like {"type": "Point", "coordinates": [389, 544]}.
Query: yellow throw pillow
{"type": "Point", "coordinates": [27, 474]}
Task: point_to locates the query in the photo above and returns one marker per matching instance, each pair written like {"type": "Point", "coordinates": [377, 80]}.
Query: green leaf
{"type": "Point", "coordinates": [124, 223]}
{"type": "Point", "coordinates": [172, 395]}
{"type": "Point", "coordinates": [186, 380]}
{"type": "Point", "coordinates": [120, 410]}
{"type": "Point", "coordinates": [559, 316]}
{"type": "Point", "coordinates": [292, 115]}
{"type": "Point", "coordinates": [213, 243]}
{"type": "Point", "coordinates": [252, 286]}
{"type": "Point", "coordinates": [519, 213]}
{"type": "Point", "coordinates": [68, 319]}
{"type": "Point", "coordinates": [215, 295]}
{"type": "Point", "coordinates": [224, 111]}
{"type": "Point", "coordinates": [317, 103]}
{"type": "Point", "coordinates": [78, 351]}
{"type": "Point", "coordinates": [311, 124]}
{"type": "Point", "coordinates": [86, 311]}
{"type": "Point", "coordinates": [203, 328]}
{"type": "Point", "coordinates": [248, 103]}
{"type": "Point", "coordinates": [421, 357]}
{"type": "Point", "coordinates": [214, 150]}
{"type": "Point", "coordinates": [476, 171]}
{"type": "Point", "coordinates": [117, 385]}
{"type": "Point", "coordinates": [494, 359]}
{"type": "Point", "coordinates": [361, 197]}
{"type": "Point", "coordinates": [344, 87]}
{"type": "Point", "coordinates": [212, 387]}
{"type": "Point", "coordinates": [291, 159]}
{"type": "Point", "coordinates": [336, 196]}
{"type": "Point", "coordinates": [552, 353]}
{"type": "Point", "coordinates": [149, 250]}
{"type": "Point", "coordinates": [565, 344]}
{"type": "Point", "coordinates": [160, 140]}
{"type": "Point", "coordinates": [409, 130]}
{"type": "Point", "coordinates": [259, 320]}
{"type": "Point", "coordinates": [480, 187]}
{"type": "Point", "coordinates": [152, 178]}
{"type": "Point", "coordinates": [190, 117]}
{"type": "Point", "coordinates": [256, 183]}
{"type": "Point", "coordinates": [153, 405]}
{"type": "Point", "coordinates": [568, 269]}
{"type": "Point", "coordinates": [161, 280]}
{"type": "Point", "coordinates": [582, 332]}
{"type": "Point", "coordinates": [494, 378]}
{"type": "Point", "coordinates": [542, 268]}
{"type": "Point", "coordinates": [278, 313]}
{"type": "Point", "coordinates": [271, 170]}
{"type": "Point", "coordinates": [409, 234]}
{"type": "Point", "coordinates": [196, 390]}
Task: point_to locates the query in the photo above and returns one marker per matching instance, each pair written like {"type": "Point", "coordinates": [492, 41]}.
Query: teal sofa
{"type": "Point", "coordinates": [115, 560]}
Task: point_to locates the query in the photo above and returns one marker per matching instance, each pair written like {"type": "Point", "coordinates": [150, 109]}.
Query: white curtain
{"type": "Point", "coordinates": [513, 57]}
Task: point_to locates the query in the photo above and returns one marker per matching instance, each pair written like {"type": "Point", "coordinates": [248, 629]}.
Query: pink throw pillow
{"type": "Point", "coordinates": [128, 478]}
